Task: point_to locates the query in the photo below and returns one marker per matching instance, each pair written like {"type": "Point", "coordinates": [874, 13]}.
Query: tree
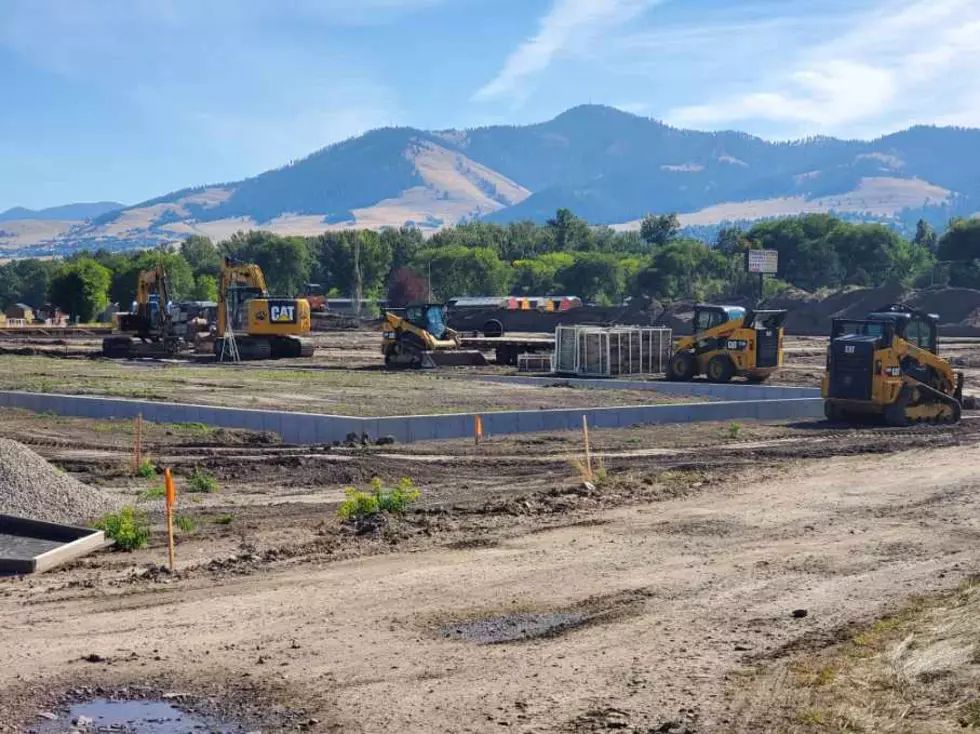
{"type": "Point", "coordinates": [201, 254]}
{"type": "Point", "coordinates": [925, 236]}
{"type": "Point", "coordinates": [595, 277]}
{"type": "Point", "coordinates": [285, 261]}
{"type": "Point", "coordinates": [405, 287]}
{"type": "Point", "coordinates": [464, 271]}
{"type": "Point", "coordinates": [682, 269]}
{"type": "Point", "coordinates": [355, 262]}
{"type": "Point", "coordinates": [205, 288]}
{"type": "Point", "coordinates": [538, 276]}
{"type": "Point", "coordinates": [961, 242]}
{"type": "Point", "coordinates": [81, 288]}
{"type": "Point", "coordinates": [402, 243]}
{"type": "Point", "coordinates": [570, 232]}
{"type": "Point", "coordinates": [26, 281]}
{"type": "Point", "coordinates": [659, 230]}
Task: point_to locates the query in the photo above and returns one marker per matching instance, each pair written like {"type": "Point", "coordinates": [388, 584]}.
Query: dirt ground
{"type": "Point", "coordinates": [635, 604]}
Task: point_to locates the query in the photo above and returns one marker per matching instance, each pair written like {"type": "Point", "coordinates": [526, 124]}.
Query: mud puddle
{"type": "Point", "coordinates": [515, 627]}
{"type": "Point", "coordinates": [102, 716]}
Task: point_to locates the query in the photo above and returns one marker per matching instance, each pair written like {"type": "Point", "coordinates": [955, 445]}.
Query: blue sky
{"type": "Point", "coordinates": [129, 99]}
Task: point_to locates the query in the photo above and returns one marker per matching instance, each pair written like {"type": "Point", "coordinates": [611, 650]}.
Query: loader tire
{"type": "Point", "coordinates": [681, 367]}
{"type": "Point", "coordinates": [720, 369]}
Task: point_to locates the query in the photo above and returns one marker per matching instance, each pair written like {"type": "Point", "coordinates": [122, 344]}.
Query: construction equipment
{"type": "Point", "coordinates": [254, 324]}
{"type": "Point", "coordinates": [148, 329]}
{"type": "Point", "coordinates": [729, 341]}
{"type": "Point", "coordinates": [886, 366]}
{"type": "Point", "coordinates": [420, 338]}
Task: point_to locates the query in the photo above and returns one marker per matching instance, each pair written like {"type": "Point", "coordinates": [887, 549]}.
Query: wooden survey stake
{"type": "Point", "coordinates": [171, 500]}
{"type": "Point", "coordinates": [477, 429]}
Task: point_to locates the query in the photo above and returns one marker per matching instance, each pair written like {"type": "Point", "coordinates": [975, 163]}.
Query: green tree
{"type": "Point", "coordinates": [81, 288]}
{"type": "Point", "coordinates": [538, 276]}
{"type": "Point", "coordinates": [355, 262]}
{"type": "Point", "coordinates": [961, 241]}
{"type": "Point", "coordinates": [402, 243]}
{"type": "Point", "coordinates": [659, 230]}
{"type": "Point", "coordinates": [201, 254]}
{"type": "Point", "coordinates": [26, 281]}
{"type": "Point", "coordinates": [570, 232]}
{"type": "Point", "coordinates": [682, 269]}
{"type": "Point", "coordinates": [464, 271]}
{"type": "Point", "coordinates": [925, 236]}
{"type": "Point", "coordinates": [285, 261]}
{"type": "Point", "coordinates": [807, 256]}
{"type": "Point", "coordinates": [205, 288]}
{"type": "Point", "coordinates": [594, 277]}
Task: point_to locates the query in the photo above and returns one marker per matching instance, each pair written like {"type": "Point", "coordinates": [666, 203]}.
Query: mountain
{"type": "Point", "coordinates": [67, 212]}
{"type": "Point", "coordinates": [608, 166]}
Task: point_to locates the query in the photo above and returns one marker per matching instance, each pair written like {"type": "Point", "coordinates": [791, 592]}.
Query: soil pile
{"type": "Point", "coordinates": [31, 487]}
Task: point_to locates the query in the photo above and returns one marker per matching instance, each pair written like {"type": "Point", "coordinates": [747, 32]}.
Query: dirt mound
{"type": "Point", "coordinates": [31, 487]}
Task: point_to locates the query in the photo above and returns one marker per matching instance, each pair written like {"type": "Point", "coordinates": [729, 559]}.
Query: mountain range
{"type": "Point", "coordinates": [606, 165]}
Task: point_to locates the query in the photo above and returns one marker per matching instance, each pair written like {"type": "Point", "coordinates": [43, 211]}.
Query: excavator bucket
{"type": "Point", "coordinates": [453, 358]}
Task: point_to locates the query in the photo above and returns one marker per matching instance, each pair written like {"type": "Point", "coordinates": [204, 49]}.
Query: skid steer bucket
{"type": "Point", "coordinates": [453, 358]}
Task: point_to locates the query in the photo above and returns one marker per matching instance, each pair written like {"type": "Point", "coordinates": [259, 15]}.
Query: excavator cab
{"type": "Point", "coordinates": [729, 341]}
{"type": "Point", "coordinates": [886, 366]}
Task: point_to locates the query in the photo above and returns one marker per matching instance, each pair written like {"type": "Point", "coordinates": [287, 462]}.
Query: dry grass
{"type": "Point", "coordinates": [916, 672]}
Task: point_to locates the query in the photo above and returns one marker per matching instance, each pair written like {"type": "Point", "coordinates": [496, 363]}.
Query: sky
{"type": "Point", "coordinates": [125, 100]}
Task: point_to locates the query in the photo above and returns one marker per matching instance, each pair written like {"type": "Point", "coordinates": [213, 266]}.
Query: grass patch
{"type": "Point", "coordinates": [146, 469]}
{"type": "Point", "coordinates": [199, 429]}
{"type": "Point", "coordinates": [153, 493]}
{"type": "Point", "coordinates": [224, 519]}
{"type": "Point", "coordinates": [734, 430]}
{"type": "Point", "coordinates": [185, 523]}
{"type": "Point", "coordinates": [128, 528]}
{"type": "Point", "coordinates": [379, 500]}
{"type": "Point", "coordinates": [202, 482]}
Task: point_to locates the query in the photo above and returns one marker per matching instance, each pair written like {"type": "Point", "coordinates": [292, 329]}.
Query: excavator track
{"type": "Point", "coordinates": [932, 406]}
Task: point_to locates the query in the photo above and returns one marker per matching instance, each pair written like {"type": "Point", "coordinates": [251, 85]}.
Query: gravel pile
{"type": "Point", "coordinates": [31, 487]}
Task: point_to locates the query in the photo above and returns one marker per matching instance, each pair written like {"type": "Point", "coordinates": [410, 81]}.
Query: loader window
{"type": "Point", "coordinates": [704, 320]}
{"type": "Point", "coordinates": [920, 333]}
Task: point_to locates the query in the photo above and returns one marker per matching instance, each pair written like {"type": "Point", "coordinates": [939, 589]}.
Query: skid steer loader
{"type": "Point", "coordinates": [885, 366]}
{"type": "Point", "coordinates": [419, 337]}
{"type": "Point", "coordinates": [729, 341]}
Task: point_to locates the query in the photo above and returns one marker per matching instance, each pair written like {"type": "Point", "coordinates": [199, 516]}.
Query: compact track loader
{"type": "Point", "coordinates": [885, 366]}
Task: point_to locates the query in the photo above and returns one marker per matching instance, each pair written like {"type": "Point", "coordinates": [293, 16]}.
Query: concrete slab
{"type": "Point", "coordinates": [32, 546]}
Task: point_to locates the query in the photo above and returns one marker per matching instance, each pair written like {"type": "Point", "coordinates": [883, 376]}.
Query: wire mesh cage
{"type": "Point", "coordinates": [590, 351]}
{"type": "Point", "coordinates": [535, 363]}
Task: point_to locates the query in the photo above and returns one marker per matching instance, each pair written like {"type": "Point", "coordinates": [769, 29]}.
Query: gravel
{"type": "Point", "coordinates": [31, 487]}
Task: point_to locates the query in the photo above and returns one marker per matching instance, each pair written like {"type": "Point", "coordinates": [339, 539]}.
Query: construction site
{"type": "Point", "coordinates": [559, 541]}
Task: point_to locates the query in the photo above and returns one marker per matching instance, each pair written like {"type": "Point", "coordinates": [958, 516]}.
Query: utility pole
{"type": "Point", "coordinates": [430, 282]}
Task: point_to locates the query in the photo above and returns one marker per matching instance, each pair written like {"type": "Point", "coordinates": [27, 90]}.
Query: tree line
{"type": "Point", "coordinates": [565, 256]}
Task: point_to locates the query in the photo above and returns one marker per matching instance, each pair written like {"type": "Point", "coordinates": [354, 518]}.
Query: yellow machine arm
{"type": "Point", "coordinates": [246, 274]}
{"type": "Point", "coordinates": [150, 281]}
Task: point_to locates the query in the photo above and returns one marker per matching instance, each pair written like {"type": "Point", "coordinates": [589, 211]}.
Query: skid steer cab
{"type": "Point", "coordinates": [885, 366]}
{"type": "Point", "coordinates": [729, 341]}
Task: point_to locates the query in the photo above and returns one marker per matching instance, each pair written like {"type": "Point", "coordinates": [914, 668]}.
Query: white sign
{"type": "Point", "coordinates": [763, 261]}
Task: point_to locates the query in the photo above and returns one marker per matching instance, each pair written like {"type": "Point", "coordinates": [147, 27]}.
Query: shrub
{"type": "Point", "coordinates": [128, 528]}
{"type": "Point", "coordinates": [153, 493]}
{"type": "Point", "coordinates": [734, 429]}
{"type": "Point", "coordinates": [391, 500]}
{"type": "Point", "coordinates": [146, 469]}
{"type": "Point", "coordinates": [224, 519]}
{"type": "Point", "coordinates": [202, 482]}
{"type": "Point", "coordinates": [185, 523]}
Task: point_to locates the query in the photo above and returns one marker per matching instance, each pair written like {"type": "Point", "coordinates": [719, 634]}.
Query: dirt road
{"type": "Point", "coordinates": [673, 598]}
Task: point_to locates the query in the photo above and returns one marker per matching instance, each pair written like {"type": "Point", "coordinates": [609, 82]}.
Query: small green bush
{"type": "Point", "coordinates": [381, 499]}
{"type": "Point", "coordinates": [734, 430]}
{"type": "Point", "coordinates": [128, 528]}
{"type": "Point", "coordinates": [224, 519]}
{"type": "Point", "coordinates": [146, 469]}
{"type": "Point", "coordinates": [202, 482]}
{"type": "Point", "coordinates": [185, 523]}
{"type": "Point", "coordinates": [153, 493]}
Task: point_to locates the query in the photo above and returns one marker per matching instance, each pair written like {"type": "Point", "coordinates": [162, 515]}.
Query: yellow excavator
{"type": "Point", "coordinates": [419, 337]}
{"type": "Point", "coordinates": [147, 330]}
{"type": "Point", "coordinates": [886, 366]}
{"type": "Point", "coordinates": [263, 327]}
{"type": "Point", "coordinates": [729, 341]}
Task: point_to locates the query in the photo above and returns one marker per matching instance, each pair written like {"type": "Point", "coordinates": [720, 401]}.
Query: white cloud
{"type": "Point", "coordinates": [568, 22]}
{"type": "Point", "coordinates": [908, 61]}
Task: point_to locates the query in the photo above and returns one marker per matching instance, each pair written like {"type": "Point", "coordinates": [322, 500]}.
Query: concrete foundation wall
{"type": "Point", "coordinates": [309, 428]}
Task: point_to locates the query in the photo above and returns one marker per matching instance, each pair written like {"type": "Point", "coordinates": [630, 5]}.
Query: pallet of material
{"type": "Point", "coordinates": [32, 546]}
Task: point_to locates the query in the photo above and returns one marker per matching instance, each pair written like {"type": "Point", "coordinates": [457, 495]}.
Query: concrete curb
{"type": "Point", "coordinates": [310, 428]}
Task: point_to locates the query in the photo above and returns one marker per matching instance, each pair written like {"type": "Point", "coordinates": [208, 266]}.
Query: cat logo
{"type": "Point", "coordinates": [849, 349]}
{"type": "Point", "coordinates": [283, 314]}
